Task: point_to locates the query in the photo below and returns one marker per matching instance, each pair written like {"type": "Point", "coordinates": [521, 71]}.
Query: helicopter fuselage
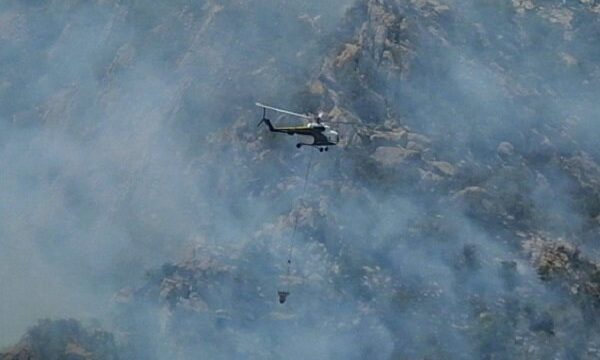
{"type": "Point", "coordinates": [322, 134]}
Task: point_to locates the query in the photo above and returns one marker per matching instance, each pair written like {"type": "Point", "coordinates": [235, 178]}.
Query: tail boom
{"type": "Point", "coordinates": [268, 122]}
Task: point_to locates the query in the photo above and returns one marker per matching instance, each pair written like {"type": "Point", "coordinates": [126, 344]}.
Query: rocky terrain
{"type": "Point", "coordinates": [63, 339]}
{"type": "Point", "coordinates": [458, 218]}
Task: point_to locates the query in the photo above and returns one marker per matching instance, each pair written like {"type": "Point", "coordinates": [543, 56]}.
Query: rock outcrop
{"type": "Point", "coordinates": [63, 339]}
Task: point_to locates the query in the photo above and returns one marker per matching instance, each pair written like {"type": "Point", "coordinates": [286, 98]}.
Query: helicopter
{"type": "Point", "coordinates": [323, 136]}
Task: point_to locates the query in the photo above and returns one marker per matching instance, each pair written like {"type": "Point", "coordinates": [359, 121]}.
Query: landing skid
{"type": "Point", "coordinates": [320, 147]}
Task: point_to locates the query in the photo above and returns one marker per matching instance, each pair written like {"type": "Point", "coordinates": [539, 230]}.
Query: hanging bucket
{"type": "Point", "coordinates": [282, 296]}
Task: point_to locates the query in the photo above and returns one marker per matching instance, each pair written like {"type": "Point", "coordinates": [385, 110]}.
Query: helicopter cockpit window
{"type": "Point", "coordinates": [332, 136]}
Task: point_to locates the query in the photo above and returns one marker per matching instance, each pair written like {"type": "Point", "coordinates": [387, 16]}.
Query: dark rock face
{"type": "Point", "coordinates": [457, 218]}
{"type": "Point", "coordinates": [63, 339]}
{"type": "Point", "coordinates": [562, 264]}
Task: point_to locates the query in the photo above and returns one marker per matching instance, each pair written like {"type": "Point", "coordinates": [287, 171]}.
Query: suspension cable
{"type": "Point", "coordinates": [291, 249]}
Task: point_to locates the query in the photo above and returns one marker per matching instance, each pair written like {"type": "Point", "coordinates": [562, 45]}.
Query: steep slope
{"type": "Point", "coordinates": [503, 94]}
{"type": "Point", "coordinates": [63, 339]}
{"type": "Point", "coordinates": [458, 221]}
{"type": "Point", "coordinates": [103, 107]}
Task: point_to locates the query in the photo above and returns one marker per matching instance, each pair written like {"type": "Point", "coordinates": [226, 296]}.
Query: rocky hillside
{"type": "Point", "coordinates": [63, 339]}
{"type": "Point", "coordinates": [458, 217]}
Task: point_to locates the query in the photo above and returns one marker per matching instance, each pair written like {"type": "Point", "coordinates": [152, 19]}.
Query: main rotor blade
{"type": "Point", "coordinates": [348, 123]}
{"type": "Point", "coordinates": [284, 111]}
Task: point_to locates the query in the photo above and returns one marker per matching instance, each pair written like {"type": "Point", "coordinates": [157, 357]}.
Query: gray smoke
{"type": "Point", "coordinates": [102, 105]}
{"type": "Point", "coordinates": [127, 139]}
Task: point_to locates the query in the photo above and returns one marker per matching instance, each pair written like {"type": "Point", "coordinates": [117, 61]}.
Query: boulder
{"type": "Point", "coordinates": [443, 168]}
{"type": "Point", "coordinates": [390, 156]}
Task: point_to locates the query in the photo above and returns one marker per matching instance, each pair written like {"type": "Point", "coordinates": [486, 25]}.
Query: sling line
{"type": "Point", "coordinates": [291, 249]}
